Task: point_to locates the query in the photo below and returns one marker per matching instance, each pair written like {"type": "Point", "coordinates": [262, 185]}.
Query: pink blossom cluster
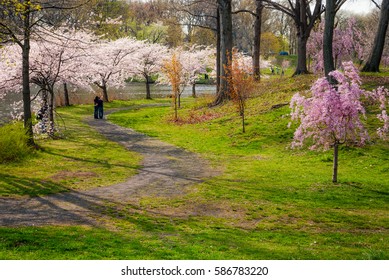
{"type": "Point", "coordinates": [332, 115]}
{"type": "Point", "coordinates": [349, 43]}
{"type": "Point", "coordinates": [243, 62]}
{"type": "Point", "coordinates": [147, 60]}
{"type": "Point", "coordinates": [285, 64]}
{"type": "Point", "coordinates": [108, 63]}
{"type": "Point", "coordinates": [381, 94]}
{"type": "Point", "coordinates": [10, 69]}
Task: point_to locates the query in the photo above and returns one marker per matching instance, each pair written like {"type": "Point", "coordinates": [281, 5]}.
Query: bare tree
{"type": "Point", "coordinates": [304, 15]}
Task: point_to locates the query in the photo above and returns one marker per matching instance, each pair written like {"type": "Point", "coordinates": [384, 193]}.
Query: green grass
{"type": "Point", "coordinates": [13, 143]}
{"type": "Point", "coordinates": [269, 202]}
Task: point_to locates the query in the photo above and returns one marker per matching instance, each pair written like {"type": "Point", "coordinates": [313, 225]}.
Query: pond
{"type": "Point", "coordinates": [130, 91]}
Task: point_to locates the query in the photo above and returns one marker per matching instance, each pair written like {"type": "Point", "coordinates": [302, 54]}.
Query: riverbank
{"type": "Point", "coordinates": [132, 91]}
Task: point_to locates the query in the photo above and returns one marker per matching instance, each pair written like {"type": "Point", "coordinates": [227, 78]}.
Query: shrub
{"type": "Point", "coordinates": [13, 143]}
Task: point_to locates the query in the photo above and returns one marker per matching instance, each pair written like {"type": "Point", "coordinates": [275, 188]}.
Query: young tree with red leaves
{"type": "Point", "coordinates": [172, 69]}
{"type": "Point", "coordinates": [240, 77]}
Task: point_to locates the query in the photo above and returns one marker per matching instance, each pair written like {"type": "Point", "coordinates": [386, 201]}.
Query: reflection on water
{"type": "Point", "coordinates": [131, 91]}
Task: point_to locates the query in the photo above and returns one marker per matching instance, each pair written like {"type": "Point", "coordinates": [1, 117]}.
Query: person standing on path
{"type": "Point", "coordinates": [100, 108]}
{"type": "Point", "coordinates": [96, 104]}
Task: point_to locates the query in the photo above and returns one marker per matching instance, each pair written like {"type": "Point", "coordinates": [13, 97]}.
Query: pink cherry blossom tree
{"type": "Point", "coordinates": [53, 59]}
{"type": "Point", "coordinates": [10, 70]}
{"type": "Point", "coordinates": [109, 63]}
{"type": "Point", "coordinates": [148, 61]}
{"type": "Point", "coordinates": [381, 94]}
{"type": "Point", "coordinates": [195, 61]}
{"type": "Point", "coordinates": [349, 42]}
{"type": "Point", "coordinates": [332, 116]}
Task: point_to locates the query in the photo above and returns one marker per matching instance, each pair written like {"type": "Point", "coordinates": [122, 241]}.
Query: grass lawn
{"type": "Point", "coordinates": [269, 202]}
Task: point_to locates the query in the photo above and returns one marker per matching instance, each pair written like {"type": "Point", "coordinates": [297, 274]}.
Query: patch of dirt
{"type": "Point", "coordinates": [234, 215]}
{"type": "Point", "coordinates": [65, 175]}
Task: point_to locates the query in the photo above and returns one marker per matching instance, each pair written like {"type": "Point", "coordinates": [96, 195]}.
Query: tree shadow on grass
{"type": "Point", "coordinates": [64, 208]}
{"type": "Point", "coordinates": [144, 234]}
{"type": "Point", "coordinates": [127, 230]}
{"type": "Point", "coordinates": [103, 163]}
{"type": "Point", "coordinates": [23, 186]}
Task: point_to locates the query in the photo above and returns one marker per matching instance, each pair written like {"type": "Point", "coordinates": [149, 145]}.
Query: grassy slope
{"type": "Point", "coordinates": [270, 202]}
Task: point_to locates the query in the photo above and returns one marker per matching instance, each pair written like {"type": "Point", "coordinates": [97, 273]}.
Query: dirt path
{"type": "Point", "coordinates": [166, 171]}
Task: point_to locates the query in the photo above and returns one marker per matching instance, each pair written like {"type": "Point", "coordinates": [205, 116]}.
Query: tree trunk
{"type": "Point", "coordinates": [51, 126]}
{"type": "Point", "coordinates": [301, 67]}
{"type": "Point", "coordinates": [45, 112]}
{"type": "Point", "coordinates": [66, 94]}
{"type": "Point", "coordinates": [105, 92]}
{"type": "Point", "coordinates": [373, 64]}
{"type": "Point", "coordinates": [303, 31]}
{"type": "Point", "coordinates": [335, 167]}
{"type": "Point", "coordinates": [224, 7]}
{"type": "Point", "coordinates": [257, 40]}
{"type": "Point", "coordinates": [243, 125]}
{"type": "Point", "coordinates": [328, 38]}
{"type": "Point", "coordinates": [218, 51]}
{"type": "Point", "coordinates": [148, 93]}
{"type": "Point", "coordinates": [26, 81]}
{"type": "Point", "coordinates": [194, 90]}
{"type": "Point", "coordinates": [175, 108]}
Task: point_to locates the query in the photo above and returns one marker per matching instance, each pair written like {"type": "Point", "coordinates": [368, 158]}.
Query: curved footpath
{"type": "Point", "coordinates": [165, 171]}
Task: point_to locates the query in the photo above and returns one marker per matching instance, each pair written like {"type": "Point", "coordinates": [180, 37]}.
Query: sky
{"type": "Point", "coordinates": [354, 6]}
{"type": "Point", "coordinates": [359, 6]}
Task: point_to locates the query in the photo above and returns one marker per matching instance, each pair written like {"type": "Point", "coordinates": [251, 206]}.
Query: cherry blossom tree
{"type": "Point", "coordinates": [349, 42]}
{"type": "Point", "coordinates": [53, 59]}
{"type": "Point", "coordinates": [332, 116]}
{"type": "Point", "coordinates": [56, 59]}
{"type": "Point", "coordinates": [110, 62]}
{"type": "Point", "coordinates": [381, 94]}
{"type": "Point", "coordinates": [147, 61]}
{"type": "Point", "coordinates": [10, 65]}
{"type": "Point", "coordinates": [195, 61]}
{"type": "Point", "coordinates": [18, 23]}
